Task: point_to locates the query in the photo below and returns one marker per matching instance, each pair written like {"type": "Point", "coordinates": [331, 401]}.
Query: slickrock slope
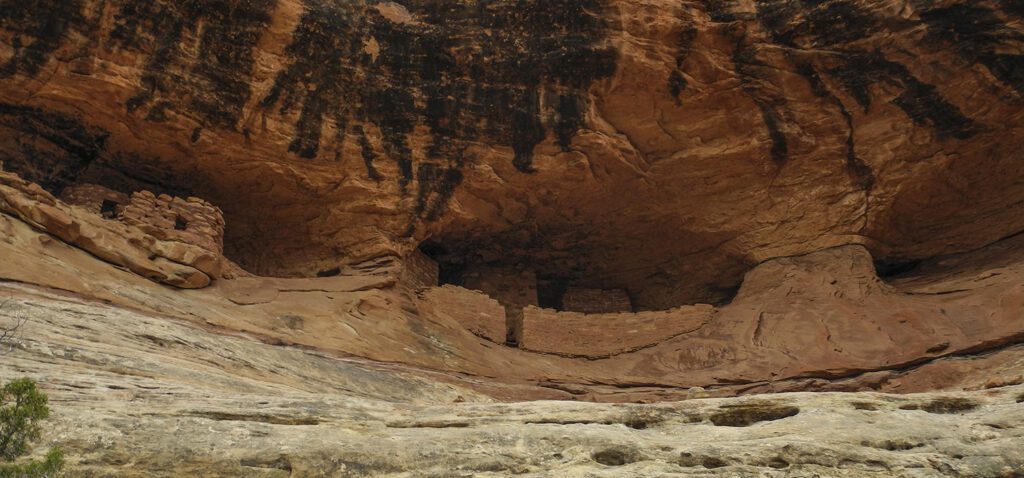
{"type": "Point", "coordinates": [344, 238]}
{"type": "Point", "coordinates": [139, 395]}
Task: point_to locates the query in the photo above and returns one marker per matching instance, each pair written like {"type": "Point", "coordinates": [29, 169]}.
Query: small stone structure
{"type": "Point", "coordinates": [419, 271]}
{"type": "Point", "coordinates": [478, 313]}
{"type": "Point", "coordinates": [513, 288]}
{"type": "Point", "coordinates": [596, 301]}
{"type": "Point", "coordinates": [191, 221]}
{"type": "Point", "coordinates": [175, 264]}
{"type": "Point", "coordinates": [97, 199]}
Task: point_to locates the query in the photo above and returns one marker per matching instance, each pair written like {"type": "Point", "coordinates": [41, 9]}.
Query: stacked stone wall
{"type": "Point", "coordinates": [192, 221]}
{"type": "Point", "coordinates": [596, 301]}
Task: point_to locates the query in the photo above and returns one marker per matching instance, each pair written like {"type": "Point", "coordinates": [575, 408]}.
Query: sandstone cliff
{"type": "Point", "coordinates": [662, 147]}
{"type": "Point", "coordinates": [334, 238]}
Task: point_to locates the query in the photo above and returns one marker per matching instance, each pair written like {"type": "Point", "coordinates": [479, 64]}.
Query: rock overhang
{"type": "Point", "coordinates": [665, 155]}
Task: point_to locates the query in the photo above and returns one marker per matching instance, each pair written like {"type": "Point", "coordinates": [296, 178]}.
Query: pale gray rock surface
{"type": "Point", "coordinates": [140, 395]}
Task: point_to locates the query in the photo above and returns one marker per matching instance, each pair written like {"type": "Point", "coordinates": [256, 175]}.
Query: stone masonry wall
{"type": "Point", "coordinates": [478, 313]}
{"type": "Point", "coordinates": [192, 221]}
{"type": "Point", "coordinates": [596, 301]}
{"type": "Point", "coordinates": [419, 271]}
{"type": "Point", "coordinates": [513, 288]}
{"type": "Point", "coordinates": [96, 199]}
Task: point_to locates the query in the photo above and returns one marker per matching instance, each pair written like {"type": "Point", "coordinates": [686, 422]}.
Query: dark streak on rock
{"type": "Point", "coordinates": [501, 72]}
{"type": "Point", "coordinates": [38, 28]}
{"type": "Point", "coordinates": [1014, 7]}
{"type": "Point", "coordinates": [56, 148]}
{"type": "Point", "coordinates": [811, 24]}
{"type": "Point", "coordinates": [369, 156]}
{"type": "Point", "coordinates": [569, 119]}
{"type": "Point", "coordinates": [816, 23]}
{"type": "Point", "coordinates": [858, 71]}
{"type": "Point", "coordinates": [793, 23]}
{"type": "Point", "coordinates": [769, 102]}
{"type": "Point", "coordinates": [720, 11]}
{"type": "Point", "coordinates": [859, 171]}
{"type": "Point", "coordinates": [436, 187]}
{"type": "Point", "coordinates": [676, 81]}
{"type": "Point", "coordinates": [210, 41]}
{"type": "Point", "coordinates": [978, 34]}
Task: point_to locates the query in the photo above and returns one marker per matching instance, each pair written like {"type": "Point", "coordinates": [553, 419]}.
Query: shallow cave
{"type": "Point", "coordinates": [562, 282]}
{"type": "Point", "coordinates": [515, 284]}
{"type": "Point", "coordinates": [593, 156]}
{"type": "Point", "coordinates": [247, 239]}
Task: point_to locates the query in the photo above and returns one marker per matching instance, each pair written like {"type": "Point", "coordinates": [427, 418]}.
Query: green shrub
{"type": "Point", "coordinates": [21, 409]}
{"type": "Point", "coordinates": [46, 468]}
{"type": "Point", "coordinates": [22, 406]}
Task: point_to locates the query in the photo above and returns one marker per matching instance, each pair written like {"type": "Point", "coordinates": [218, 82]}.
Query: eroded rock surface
{"type": "Point", "coordinates": [661, 147]}
{"type": "Point", "coordinates": [439, 208]}
{"type": "Point", "coordinates": [821, 321]}
{"type": "Point", "coordinates": [138, 395]}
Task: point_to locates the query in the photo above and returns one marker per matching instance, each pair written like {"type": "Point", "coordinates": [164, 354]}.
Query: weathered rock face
{"type": "Point", "coordinates": [823, 321]}
{"type": "Point", "coordinates": [438, 202]}
{"type": "Point", "coordinates": [661, 147]}
{"type": "Point", "coordinates": [137, 395]}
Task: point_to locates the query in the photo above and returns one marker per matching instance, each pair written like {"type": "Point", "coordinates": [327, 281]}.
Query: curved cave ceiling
{"type": "Point", "coordinates": [596, 146]}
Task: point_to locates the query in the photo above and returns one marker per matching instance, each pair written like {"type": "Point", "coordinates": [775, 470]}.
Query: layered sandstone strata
{"type": "Point", "coordinates": [819, 321]}
{"type": "Point", "coordinates": [441, 206]}
{"type": "Point", "coordinates": [661, 147]}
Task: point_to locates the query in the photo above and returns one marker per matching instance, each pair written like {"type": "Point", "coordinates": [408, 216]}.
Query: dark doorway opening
{"type": "Point", "coordinates": [886, 268]}
{"type": "Point", "coordinates": [550, 292]}
{"type": "Point", "coordinates": [108, 209]}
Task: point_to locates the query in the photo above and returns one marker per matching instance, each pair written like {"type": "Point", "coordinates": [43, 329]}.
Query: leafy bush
{"type": "Point", "coordinates": [22, 406]}
{"type": "Point", "coordinates": [46, 468]}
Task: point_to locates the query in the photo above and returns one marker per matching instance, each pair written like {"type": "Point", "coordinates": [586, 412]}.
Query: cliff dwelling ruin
{"type": "Point", "coordinates": [540, 238]}
{"type": "Point", "coordinates": [191, 221]}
